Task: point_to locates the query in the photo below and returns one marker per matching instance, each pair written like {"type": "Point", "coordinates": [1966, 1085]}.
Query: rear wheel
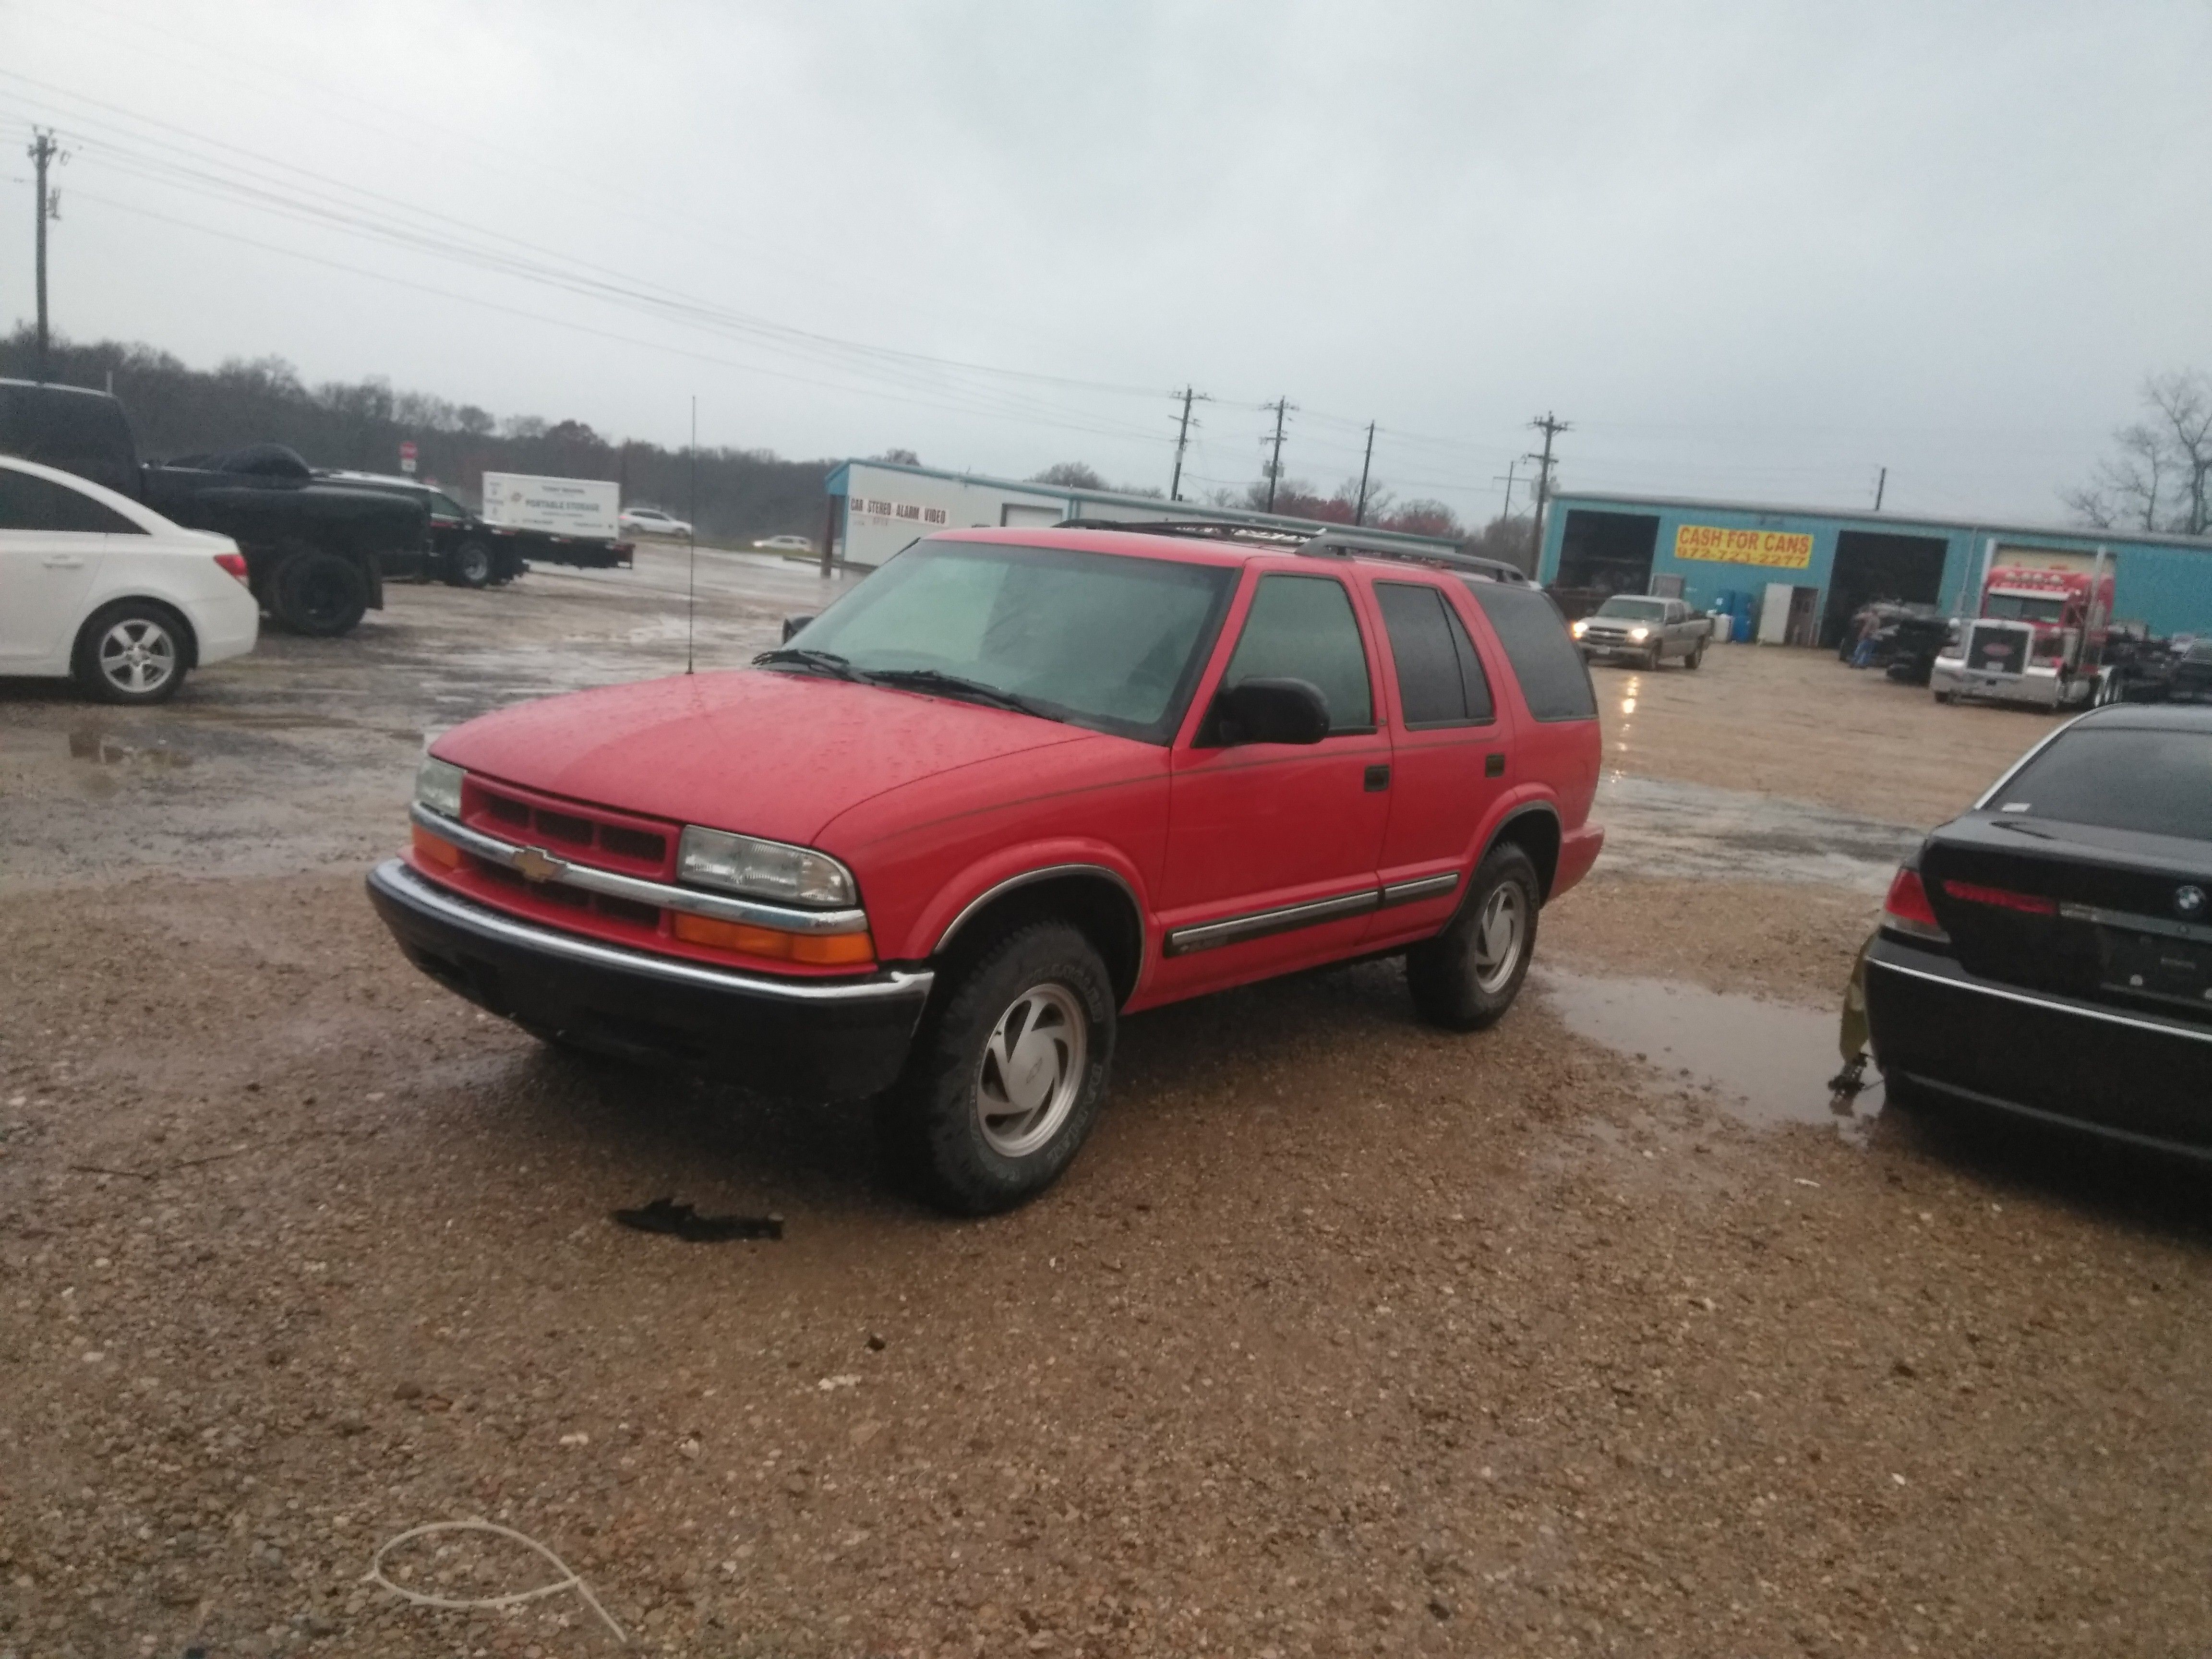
{"type": "Point", "coordinates": [1468, 976]}
{"type": "Point", "coordinates": [319, 594]}
{"type": "Point", "coordinates": [132, 653]}
{"type": "Point", "coordinates": [470, 566]}
{"type": "Point", "coordinates": [1008, 1071]}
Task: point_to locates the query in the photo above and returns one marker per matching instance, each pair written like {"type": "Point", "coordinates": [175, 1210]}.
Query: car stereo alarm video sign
{"type": "Point", "coordinates": [1776, 549]}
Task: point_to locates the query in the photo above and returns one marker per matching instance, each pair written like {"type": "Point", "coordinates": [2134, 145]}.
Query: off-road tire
{"type": "Point", "coordinates": [319, 594]}
{"type": "Point", "coordinates": [932, 1129]}
{"type": "Point", "coordinates": [1451, 985]}
{"type": "Point", "coordinates": [131, 640]}
{"type": "Point", "coordinates": [470, 566]}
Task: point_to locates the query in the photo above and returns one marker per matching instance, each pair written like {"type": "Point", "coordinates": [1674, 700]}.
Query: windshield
{"type": "Point", "coordinates": [2153, 782]}
{"type": "Point", "coordinates": [1638, 610]}
{"type": "Point", "coordinates": [1097, 639]}
{"type": "Point", "coordinates": [2019, 607]}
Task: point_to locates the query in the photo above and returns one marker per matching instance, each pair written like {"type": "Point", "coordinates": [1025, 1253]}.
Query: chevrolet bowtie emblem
{"type": "Point", "coordinates": [536, 864]}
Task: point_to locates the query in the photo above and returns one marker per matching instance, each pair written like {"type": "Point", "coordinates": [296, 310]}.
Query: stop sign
{"type": "Point", "coordinates": [407, 455]}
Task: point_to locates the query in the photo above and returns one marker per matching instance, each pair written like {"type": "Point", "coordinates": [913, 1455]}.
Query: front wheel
{"type": "Point", "coordinates": [1008, 1071]}
{"type": "Point", "coordinates": [1468, 976]}
{"type": "Point", "coordinates": [1696, 655]}
{"type": "Point", "coordinates": [132, 653]}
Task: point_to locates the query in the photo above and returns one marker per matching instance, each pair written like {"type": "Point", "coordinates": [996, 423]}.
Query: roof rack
{"type": "Point", "coordinates": [1345, 544]}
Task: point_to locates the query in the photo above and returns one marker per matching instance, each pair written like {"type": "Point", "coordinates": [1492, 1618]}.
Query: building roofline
{"type": "Point", "coordinates": [1890, 520]}
{"type": "Point", "coordinates": [1078, 496]}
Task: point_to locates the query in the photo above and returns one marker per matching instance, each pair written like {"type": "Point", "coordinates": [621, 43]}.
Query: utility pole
{"type": "Point", "coordinates": [44, 152]}
{"type": "Point", "coordinates": [1282, 406]}
{"type": "Point", "coordinates": [1359, 513]}
{"type": "Point", "coordinates": [1551, 427]}
{"type": "Point", "coordinates": [1508, 482]}
{"type": "Point", "coordinates": [1183, 439]}
{"type": "Point", "coordinates": [1880, 484]}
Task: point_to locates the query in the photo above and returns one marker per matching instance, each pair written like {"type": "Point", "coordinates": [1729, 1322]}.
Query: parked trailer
{"type": "Point", "coordinates": [557, 521]}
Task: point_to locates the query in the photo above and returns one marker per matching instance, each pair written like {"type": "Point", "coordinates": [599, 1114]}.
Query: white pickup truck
{"type": "Point", "coordinates": [1644, 630]}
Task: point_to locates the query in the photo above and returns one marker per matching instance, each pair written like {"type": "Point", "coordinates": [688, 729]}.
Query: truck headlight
{"type": "Point", "coordinates": [1578, 628]}
{"type": "Point", "coordinates": [1639, 633]}
{"type": "Point", "coordinates": [763, 869]}
{"type": "Point", "coordinates": [438, 786]}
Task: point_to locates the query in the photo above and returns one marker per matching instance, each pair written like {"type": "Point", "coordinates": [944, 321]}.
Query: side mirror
{"type": "Point", "coordinates": [1271, 711]}
{"type": "Point", "coordinates": [792, 625]}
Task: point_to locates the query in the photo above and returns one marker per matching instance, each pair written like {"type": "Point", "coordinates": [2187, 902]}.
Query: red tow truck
{"type": "Point", "coordinates": [2039, 638]}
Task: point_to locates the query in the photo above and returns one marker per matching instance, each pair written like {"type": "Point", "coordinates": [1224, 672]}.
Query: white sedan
{"type": "Point", "coordinates": [785, 544]}
{"type": "Point", "coordinates": [95, 587]}
{"type": "Point", "coordinates": [651, 522]}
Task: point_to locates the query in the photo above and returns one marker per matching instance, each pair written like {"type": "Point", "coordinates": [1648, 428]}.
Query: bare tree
{"type": "Point", "coordinates": [2183, 402]}
{"type": "Point", "coordinates": [1070, 475]}
{"type": "Point", "coordinates": [2161, 478]}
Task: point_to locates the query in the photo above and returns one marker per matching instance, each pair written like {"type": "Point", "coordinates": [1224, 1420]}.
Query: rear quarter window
{"type": "Point", "coordinates": [1554, 680]}
{"type": "Point", "coordinates": [2156, 782]}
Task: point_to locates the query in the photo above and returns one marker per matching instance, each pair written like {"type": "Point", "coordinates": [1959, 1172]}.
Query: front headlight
{"type": "Point", "coordinates": [1639, 633]}
{"type": "Point", "coordinates": [438, 786]}
{"type": "Point", "coordinates": [763, 869]}
{"type": "Point", "coordinates": [1578, 628]}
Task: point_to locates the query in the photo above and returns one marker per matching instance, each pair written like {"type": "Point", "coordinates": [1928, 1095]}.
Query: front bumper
{"type": "Point", "coordinates": [2041, 687]}
{"type": "Point", "coordinates": [1614, 645]}
{"type": "Point", "coordinates": [2134, 1077]}
{"type": "Point", "coordinates": [830, 1039]}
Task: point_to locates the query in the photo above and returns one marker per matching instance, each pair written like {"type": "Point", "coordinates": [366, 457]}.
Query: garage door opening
{"type": "Point", "coordinates": [1869, 566]}
{"type": "Point", "coordinates": [1605, 553]}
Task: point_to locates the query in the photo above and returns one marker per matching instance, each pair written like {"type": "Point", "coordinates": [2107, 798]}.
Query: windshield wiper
{"type": "Point", "coordinates": [822, 662]}
{"type": "Point", "coordinates": [956, 685]}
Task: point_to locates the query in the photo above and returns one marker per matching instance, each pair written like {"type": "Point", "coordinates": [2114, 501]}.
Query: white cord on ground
{"type": "Point", "coordinates": [570, 1579]}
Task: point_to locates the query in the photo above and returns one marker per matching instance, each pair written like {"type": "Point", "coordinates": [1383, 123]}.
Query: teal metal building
{"type": "Point", "coordinates": [1836, 560]}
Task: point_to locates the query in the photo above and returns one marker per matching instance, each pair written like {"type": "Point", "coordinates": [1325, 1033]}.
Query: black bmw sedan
{"type": "Point", "coordinates": [2049, 951]}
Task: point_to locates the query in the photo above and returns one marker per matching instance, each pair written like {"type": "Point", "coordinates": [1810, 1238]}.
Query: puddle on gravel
{"type": "Point", "coordinates": [105, 749]}
{"type": "Point", "coordinates": [1658, 828]}
{"type": "Point", "coordinates": [1765, 1063]}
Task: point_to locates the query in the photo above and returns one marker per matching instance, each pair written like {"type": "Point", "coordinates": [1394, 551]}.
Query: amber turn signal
{"type": "Point", "coordinates": [818, 950]}
{"type": "Point", "coordinates": [441, 853]}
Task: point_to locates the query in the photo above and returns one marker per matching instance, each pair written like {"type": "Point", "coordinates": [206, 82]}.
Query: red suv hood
{"type": "Point", "coordinates": [759, 752]}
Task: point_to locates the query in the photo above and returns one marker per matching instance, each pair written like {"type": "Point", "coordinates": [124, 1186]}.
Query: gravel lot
{"type": "Point", "coordinates": [1343, 1337]}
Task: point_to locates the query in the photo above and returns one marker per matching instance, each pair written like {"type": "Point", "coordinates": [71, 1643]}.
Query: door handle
{"type": "Point", "coordinates": [1493, 766]}
{"type": "Point", "coordinates": [63, 562]}
{"type": "Point", "coordinates": [1378, 777]}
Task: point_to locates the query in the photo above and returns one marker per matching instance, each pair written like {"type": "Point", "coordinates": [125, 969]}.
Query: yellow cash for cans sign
{"type": "Point", "coordinates": [1779, 549]}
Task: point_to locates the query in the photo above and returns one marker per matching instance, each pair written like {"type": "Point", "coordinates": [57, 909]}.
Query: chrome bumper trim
{"type": "Point", "coordinates": [591, 879]}
{"type": "Point", "coordinates": [2047, 1003]}
{"type": "Point", "coordinates": [397, 882]}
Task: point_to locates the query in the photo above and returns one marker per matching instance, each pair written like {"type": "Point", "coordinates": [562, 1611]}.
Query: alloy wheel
{"type": "Point", "coordinates": [136, 656]}
{"type": "Point", "coordinates": [1032, 1070]}
{"type": "Point", "coordinates": [1499, 933]}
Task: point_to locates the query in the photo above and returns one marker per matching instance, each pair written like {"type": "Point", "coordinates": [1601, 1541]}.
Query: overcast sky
{"type": "Point", "coordinates": [1750, 250]}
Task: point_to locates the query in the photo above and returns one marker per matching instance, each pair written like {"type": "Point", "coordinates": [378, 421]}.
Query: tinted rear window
{"type": "Point", "coordinates": [1553, 675]}
{"type": "Point", "coordinates": [2156, 783]}
{"type": "Point", "coordinates": [1440, 679]}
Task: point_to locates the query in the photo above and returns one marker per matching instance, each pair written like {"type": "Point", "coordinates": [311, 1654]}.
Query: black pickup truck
{"type": "Point", "coordinates": [314, 551]}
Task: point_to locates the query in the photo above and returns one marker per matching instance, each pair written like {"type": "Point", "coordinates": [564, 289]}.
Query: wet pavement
{"type": "Point", "coordinates": [1661, 827]}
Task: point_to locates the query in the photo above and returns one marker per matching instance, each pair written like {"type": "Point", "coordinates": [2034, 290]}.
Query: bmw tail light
{"type": "Point", "coordinates": [234, 564]}
{"type": "Point", "coordinates": [2002, 898]}
{"type": "Point", "coordinates": [1907, 911]}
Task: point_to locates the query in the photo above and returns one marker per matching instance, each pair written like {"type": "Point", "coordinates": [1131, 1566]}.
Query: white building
{"type": "Point", "coordinates": [877, 508]}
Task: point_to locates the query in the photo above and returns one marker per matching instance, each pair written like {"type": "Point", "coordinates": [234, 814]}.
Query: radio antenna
{"type": "Point", "coordinates": [691, 539]}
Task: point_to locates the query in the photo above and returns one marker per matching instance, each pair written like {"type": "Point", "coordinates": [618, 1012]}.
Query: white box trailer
{"type": "Point", "coordinates": [586, 508]}
{"type": "Point", "coordinates": [559, 520]}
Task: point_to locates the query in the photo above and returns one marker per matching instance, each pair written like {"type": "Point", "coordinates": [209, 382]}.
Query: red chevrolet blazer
{"type": "Point", "coordinates": [1012, 785]}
